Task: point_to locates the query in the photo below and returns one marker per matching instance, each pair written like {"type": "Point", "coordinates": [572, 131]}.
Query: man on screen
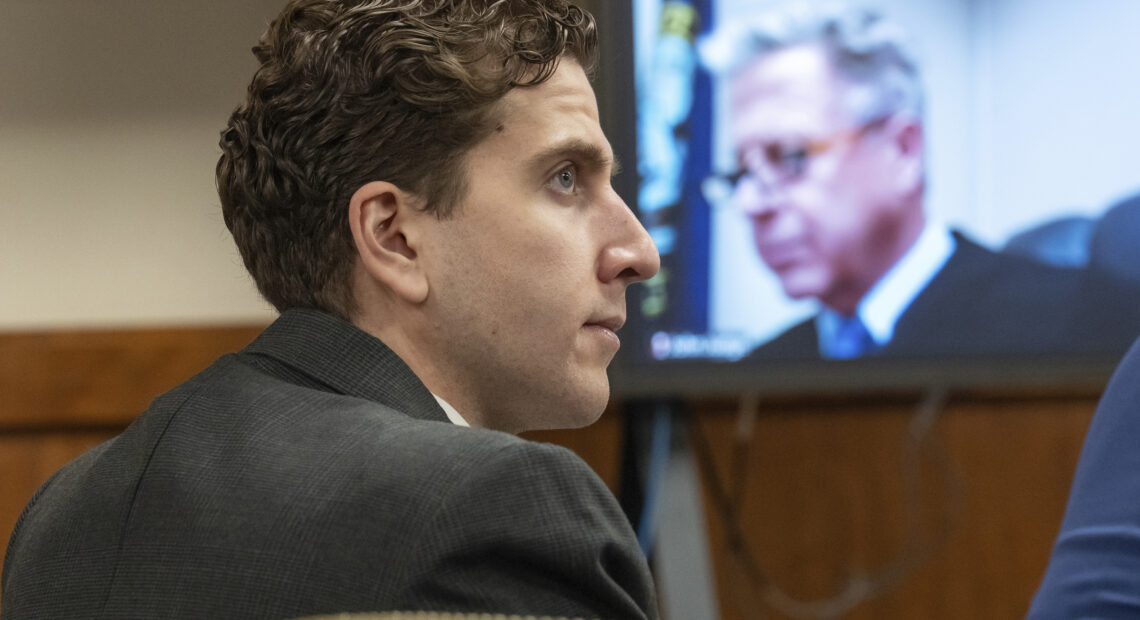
{"type": "Point", "coordinates": [422, 188]}
{"type": "Point", "coordinates": [826, 120]}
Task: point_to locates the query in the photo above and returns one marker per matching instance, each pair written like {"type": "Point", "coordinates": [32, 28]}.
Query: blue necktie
{"type": "Point", "coordinates": [851, 340]}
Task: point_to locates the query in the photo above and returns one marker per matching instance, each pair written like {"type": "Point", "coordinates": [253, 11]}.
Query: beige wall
{"type": "Point", "coordinates": [109, 117]}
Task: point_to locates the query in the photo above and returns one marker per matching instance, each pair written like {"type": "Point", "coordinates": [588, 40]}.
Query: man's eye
{"type": "Point", "coordinates": [788, 161]}
{"type": "Point", "coordinates": [565, 179]}
{"type": "Point", "coordinates": [796, 158]}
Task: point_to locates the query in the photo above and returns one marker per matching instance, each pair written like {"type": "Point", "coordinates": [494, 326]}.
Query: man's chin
{"type": "Point", "coordinates": [798, 286]}
{"type": "Point", "coordinates": [567, 420]}
{"type": "Point", "coordinates": [591, 407]}
{"type": "Point", "coordinates": [590, 404]}
{"type": "Point", "coordinates": [581, 404]}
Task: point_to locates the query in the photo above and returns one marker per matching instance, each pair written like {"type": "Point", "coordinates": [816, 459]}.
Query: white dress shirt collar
{"type": "Point", "coordinates": [882, 306]}
{"type": "Point", "coordinates": [452, 414]}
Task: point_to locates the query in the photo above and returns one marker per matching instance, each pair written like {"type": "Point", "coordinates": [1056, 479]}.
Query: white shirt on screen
{"type": "Point", "coordinates": [881, 308]}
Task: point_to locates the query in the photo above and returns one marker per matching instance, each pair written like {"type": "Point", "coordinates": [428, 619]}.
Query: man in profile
{"type": "Point", "coordinates": [422, 189]}
{"type": "Point", "coordinates": [826, 119]}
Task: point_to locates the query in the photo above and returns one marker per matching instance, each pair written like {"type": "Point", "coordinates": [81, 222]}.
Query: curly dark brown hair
{"type": "Point", "coordinates": [353, 91]}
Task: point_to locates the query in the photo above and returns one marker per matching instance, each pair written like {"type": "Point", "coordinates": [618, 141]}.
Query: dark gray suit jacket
{"type": "Point", "coordinates": [313, 473]}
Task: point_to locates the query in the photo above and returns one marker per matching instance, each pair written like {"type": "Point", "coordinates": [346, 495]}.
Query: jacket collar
{"type": "Point", "coordinates": [347, 360]}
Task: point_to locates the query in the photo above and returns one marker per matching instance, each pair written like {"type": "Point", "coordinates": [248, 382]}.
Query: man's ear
{"type": "Point", "coordinates": [906, 133]}
{"type": "Point", "coordinates": [382, 218]}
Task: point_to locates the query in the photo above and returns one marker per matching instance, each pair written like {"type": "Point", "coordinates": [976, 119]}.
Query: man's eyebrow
{"type": "Point", "coordinates": [587, 154]}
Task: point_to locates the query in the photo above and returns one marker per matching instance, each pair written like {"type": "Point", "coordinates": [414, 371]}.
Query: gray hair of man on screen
{"type": "Point", "coordinates": [868, 52]}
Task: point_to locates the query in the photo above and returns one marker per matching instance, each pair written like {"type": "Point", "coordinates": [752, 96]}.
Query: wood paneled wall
{"type": "Point", "coordinates": [818, 492]}
{"type": "Point", "coordinates": [62, 392]}
{"type": "Point", "coordinates": [828, 493]}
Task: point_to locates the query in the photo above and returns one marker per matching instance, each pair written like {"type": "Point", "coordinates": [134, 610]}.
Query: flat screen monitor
{"type": "Point", "coordinates": [777, 222]}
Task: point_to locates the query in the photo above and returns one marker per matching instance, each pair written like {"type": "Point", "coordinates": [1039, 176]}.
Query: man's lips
{"type": "Point", "coordinates": [781, 254]}
{"type": "Point", "coordinates": [607, 327]}
{"type": "Point", "coordinates": [613, 323]}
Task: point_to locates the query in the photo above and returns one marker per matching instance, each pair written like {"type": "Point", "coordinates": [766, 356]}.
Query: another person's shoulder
{"type": "Point", "coordinates": [1095, 561]}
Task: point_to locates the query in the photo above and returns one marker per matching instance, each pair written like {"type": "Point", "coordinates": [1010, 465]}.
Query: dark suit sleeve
{"type": "Point", "coordinates": [1094, 571]}
{"type": "Point", "coordinates": [533, 531]}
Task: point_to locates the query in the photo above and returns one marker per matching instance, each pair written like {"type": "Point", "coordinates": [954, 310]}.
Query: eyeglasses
{"type": "Point", "coordinates": [778, 164]}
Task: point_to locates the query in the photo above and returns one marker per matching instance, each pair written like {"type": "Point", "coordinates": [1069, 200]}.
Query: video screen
{"type": "Point", "coordinates": [904, 179]}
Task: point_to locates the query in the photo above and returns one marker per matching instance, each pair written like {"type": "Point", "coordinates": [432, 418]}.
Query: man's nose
{"type": "Point", "coordinates": [631, 256]}
{"type": "Point", "coordinates": [757, 198]}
